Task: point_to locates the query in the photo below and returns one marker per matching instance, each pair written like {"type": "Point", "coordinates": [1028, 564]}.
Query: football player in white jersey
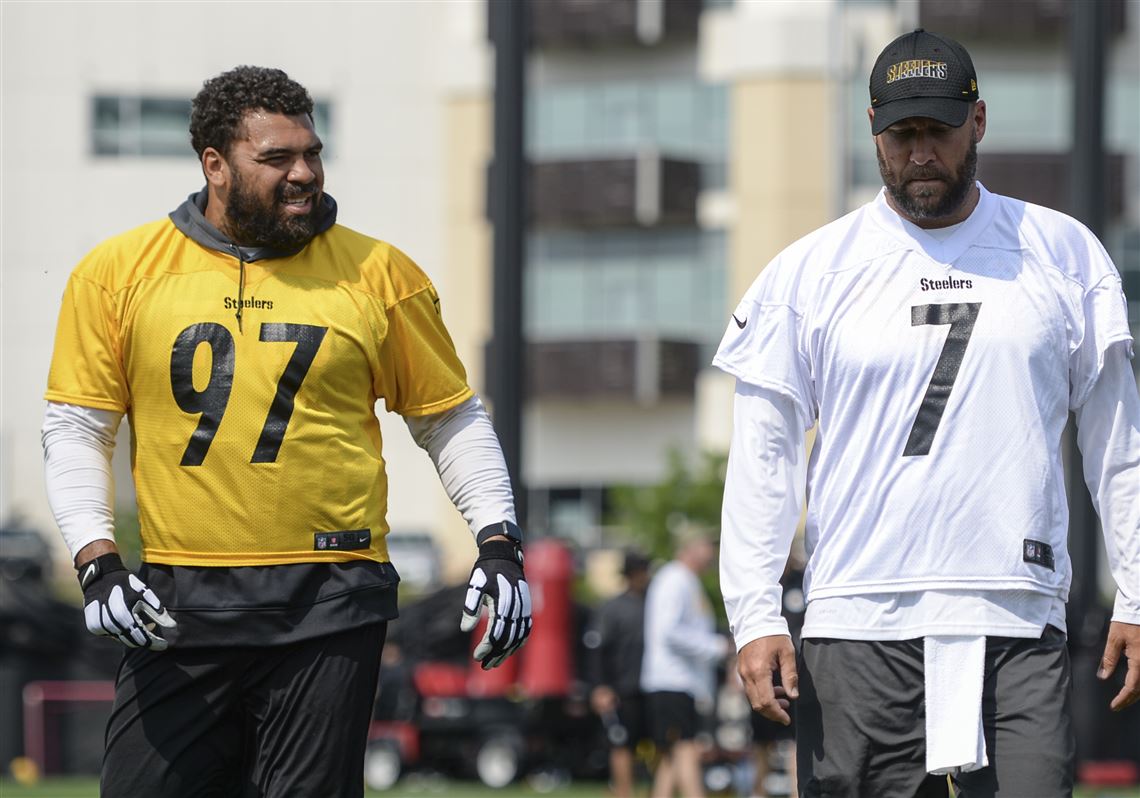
{"type": "Point", "coordinates": [938, 337]}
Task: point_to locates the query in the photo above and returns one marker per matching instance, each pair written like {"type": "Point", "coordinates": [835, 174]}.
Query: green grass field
{"type": "Point", "coordinates": [409, 788]}
{"type": "Point", "coordinates": [417, 788]}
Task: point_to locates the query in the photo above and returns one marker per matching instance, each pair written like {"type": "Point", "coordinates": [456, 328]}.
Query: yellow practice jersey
{"type": "Point", "coordinates": [255, 443]}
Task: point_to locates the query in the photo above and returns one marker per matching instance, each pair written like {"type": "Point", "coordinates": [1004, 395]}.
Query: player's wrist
{"type": "Point", "coordinates": [498, 531]}
{"type": "Point", "coordinates": [501, 549]}
{"type": "Point", "coordinates": [96, 568]}
{"type": "Point", "coordinates": [93, 549]}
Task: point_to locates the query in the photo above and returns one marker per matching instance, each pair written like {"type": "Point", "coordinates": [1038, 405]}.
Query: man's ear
{"type": "Point", "coordinates": [215, 168]}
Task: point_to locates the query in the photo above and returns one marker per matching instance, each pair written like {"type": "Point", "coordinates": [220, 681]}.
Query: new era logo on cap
{"type": "Point", "coordinates": [922, 74]}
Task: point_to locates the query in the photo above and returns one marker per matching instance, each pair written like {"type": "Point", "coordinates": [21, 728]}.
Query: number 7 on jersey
{"type": "Point", "coordinates": [961, 317]}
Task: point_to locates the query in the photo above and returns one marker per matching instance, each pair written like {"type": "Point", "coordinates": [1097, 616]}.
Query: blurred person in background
{"type": "Point", "coordinates": [940, 336]}
{"type": "Point", "coordinates": [682, 650]}
{"type": "Point", "coordinates": [248, 336]}
{"type": "Point", "coordinates": [617, 645]}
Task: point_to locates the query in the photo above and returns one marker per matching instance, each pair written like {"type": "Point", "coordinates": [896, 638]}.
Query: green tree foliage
{"type": "Point", "coordinates": [690, 491]}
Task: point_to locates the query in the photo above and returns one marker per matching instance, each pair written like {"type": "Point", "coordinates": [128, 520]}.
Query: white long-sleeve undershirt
{"type": "Point", "coordinates": [764, 489]}
{"type": "Point", "coordinates": [79, 441]}
{"type": "Point", "coordinates": [466, 452]}
{"type": "Point", "coordinates": [763, 494]}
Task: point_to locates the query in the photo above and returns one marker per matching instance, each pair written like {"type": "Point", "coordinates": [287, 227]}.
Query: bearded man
{"type": "Point", "coordinates": [248, 337]}
{"type": "Point", "coordinates": [939, 337]}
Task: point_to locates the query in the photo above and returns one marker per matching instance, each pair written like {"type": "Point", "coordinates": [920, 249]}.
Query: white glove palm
{"type": "Point", "coordinates": [119, 604]}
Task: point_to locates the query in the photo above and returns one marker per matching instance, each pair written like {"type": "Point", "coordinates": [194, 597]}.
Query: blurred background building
{"type": "Point", "coordinates": [674, 147]}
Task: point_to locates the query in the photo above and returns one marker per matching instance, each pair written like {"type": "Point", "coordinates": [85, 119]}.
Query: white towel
{"type": "Point", "coordinates": [955, 667]}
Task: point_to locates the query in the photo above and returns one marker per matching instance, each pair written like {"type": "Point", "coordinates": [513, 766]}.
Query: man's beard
{"type": "Point", "coordinates": [253, 223]}
{"type": "Point", "coordinates": [928, 205]}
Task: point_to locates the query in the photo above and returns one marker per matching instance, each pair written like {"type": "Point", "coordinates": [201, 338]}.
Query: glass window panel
{"type": "Point", "coordinates": [106, 112]}
{"type": "Point", "coordinates": [1122, 112]}
{"type": "Point", "coordinates": [593, 124]}
{"type": "Point", "coordinates": [323, 124]}
{"type": "Point", "coordinates": [567, 121]}
{"type": "Point", "coordinates": [673, 283]}
{"type": "Point", "coordinates": [1027, 110]}
{"type": "Point", "coordinates": [559, 295]}
{"type": "Point", "coordinates": [158, 126]}
{"type": "Point", "coordinates": [621, 283]}
{"type": "Point", "coordinates": [675, 115]}
{"type": "Point", "coordinates": [864, 168]}
{"type": "Point", "coordinates": [164, 126]}
{"type": "Point", "coordinates": [621, 119]}
{"type": "Point", "coordinates": [683, 118]}
{"type": "Point", "coordinates": [565, 246]}
{"type": "Point", "coordinates": [712, 119]}
{"type": "Point", "coordinates": [617, 306]}
{"type": "Point", "coordinates": [619, 245]}
{"type": "Point", "coordinates": [106, 123]}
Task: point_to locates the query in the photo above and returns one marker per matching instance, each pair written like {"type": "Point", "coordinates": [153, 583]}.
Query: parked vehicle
{"type": "Point", "coordinates": [438, 709]}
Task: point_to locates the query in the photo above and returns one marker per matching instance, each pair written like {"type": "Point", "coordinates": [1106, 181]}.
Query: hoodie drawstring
{"type": "Point", "coordinates": [241, 288]}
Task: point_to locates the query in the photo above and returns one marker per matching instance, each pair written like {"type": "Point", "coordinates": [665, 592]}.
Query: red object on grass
{"type": "Point", "coordinates": [493, 683]}
{"type": "Point", "coordinates": [1108, 773]}
{"type": "Point", "coordinates": [44, 699]}
{"type": "Point", "coordinates": [440, 680]}
{"type": "Point", "coordinates": [547, 666]}
{"type": "Point", "coordinates": [404, 734]}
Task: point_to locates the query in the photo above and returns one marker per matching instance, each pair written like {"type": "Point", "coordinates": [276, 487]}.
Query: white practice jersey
{"type": "Point", "coordinates": [941, 375]}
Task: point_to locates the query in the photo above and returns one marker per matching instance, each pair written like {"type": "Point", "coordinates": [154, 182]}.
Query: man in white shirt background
{"type": "Point", "coordinates": [682, 650]}
{"type": "Point", "coordinates": [939, 337]}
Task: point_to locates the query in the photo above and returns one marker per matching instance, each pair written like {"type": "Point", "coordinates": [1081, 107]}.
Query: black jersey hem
{"type": "Point", "coordinates": [271, 604]}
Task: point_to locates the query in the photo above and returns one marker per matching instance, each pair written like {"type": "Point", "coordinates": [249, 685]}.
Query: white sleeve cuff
{"type": "Point", "coordinates": [764, 627]}
{"type": "Point", "coordinates": [1125, 611]}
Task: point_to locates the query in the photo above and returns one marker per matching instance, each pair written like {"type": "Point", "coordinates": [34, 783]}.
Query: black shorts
{"type": "Point", "coordinates": [672, 718]}
{"type": "Point", "coordinates": [861, 720]}
{"type": "Point", "coordinates": [631, 717]}
{"type": "Point", "coordinates": [272, 721]}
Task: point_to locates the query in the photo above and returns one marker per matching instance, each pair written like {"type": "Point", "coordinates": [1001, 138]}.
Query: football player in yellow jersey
{"type": "Point", "coordinates": [248, 337]}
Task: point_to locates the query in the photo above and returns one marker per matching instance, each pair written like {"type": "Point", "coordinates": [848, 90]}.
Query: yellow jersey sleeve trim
{"type": "Point", "coordinates": [428, 288]}
{"type": "Point", "coordinates": [85, 401]}
{"type": "Point", "coordinates": [438, 407]}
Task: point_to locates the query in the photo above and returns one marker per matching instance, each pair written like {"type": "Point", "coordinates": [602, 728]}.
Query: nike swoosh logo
{"type": "Point", "coordinates": [87, 574]}
{"type": "Point", "coordinates": [739, 323]}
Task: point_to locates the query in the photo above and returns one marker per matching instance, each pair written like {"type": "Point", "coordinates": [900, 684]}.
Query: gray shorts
{"type": "Point", "coordinates": [861, 718]}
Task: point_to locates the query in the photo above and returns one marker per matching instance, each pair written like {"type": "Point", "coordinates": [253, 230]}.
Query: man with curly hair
{"type": "Point", "coordinates": [248, 337]}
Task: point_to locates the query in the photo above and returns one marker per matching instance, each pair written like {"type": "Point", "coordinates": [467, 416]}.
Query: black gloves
{"type": "Point", "coordinates": [497, 581]}
{"type": "Point", "coordinates": [118, 603]}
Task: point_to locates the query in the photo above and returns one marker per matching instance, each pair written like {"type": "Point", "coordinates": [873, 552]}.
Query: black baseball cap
{"type": "Point", "coordinates": [922, 74]}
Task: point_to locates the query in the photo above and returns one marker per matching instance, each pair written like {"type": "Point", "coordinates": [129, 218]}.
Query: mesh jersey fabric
{"type": "Point", "coordinates": [247, 443]}
{"type": "Point", "coordinates": [977, 346]}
